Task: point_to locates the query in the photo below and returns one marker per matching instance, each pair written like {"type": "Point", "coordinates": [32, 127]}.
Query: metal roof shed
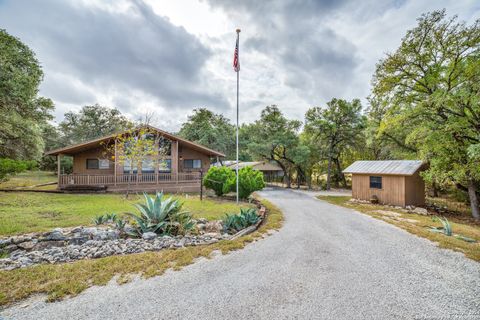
{"type": "Point", "coordinates": [394, 182]}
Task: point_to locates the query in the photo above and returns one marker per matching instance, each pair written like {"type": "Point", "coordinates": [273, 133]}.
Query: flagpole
{"type": "Point", "coordinates": [238, 80]}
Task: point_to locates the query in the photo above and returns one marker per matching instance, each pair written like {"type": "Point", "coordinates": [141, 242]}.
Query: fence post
{"type": "Point", "coordinates": [201, 185]}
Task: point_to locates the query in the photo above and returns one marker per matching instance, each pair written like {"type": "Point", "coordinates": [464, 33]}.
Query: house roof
{"type": "Point", "coordinates": [258, 165]}
{"type": "Point", "coordinates": [393, 167]}
{"type": "Point", "coordinates": [76, 148]}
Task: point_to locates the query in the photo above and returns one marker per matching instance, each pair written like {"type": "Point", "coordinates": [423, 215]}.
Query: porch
{"type": "Point", "coordinates": [168, 182]}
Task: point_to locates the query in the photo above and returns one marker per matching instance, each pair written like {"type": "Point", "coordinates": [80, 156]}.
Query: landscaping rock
{"type": "Point", "coordinates": [149, 235]}
{"type": "Point", "coordinates": [48, 244]}
{"type": "Point", "coordinates": [214, 226]}
{"type": "Point", "coordinates": [56, 235]}
{"type": "Point", "coordinates": [388, 213]}
{"type": "Point", "coordinates": [421, 211]}
{"type": "Point", "coordinates": [5, 242]}
{"type": "Point", "coordinates": [10, 248]}
{"type": "Point", "coordinates": [28, 245]}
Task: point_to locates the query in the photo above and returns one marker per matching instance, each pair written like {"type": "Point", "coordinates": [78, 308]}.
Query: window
{"type": "Point", "coordinates": [127, 166]}
{"type": "Point", "coordinates": [92, 163]}
{"type": "Point", "coordinates": [165, 146]}
{"type": "Point", "coordinates": [165, 165]}
{"type": "Point", "coordinates": [376, 182]}
{"type": "Point", "coordinates": [148, 166]}
{"type": "Point", "coordinates": [192, 164]}
{"type": "Point", "coordinates": [103, 164]}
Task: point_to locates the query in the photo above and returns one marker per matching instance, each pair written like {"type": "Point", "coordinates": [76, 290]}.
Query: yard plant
{"type": "Point", "coordinates": [237, 222]}
{"type": "Point", "coordinates": [162, 215]}
{"type": "Point", "coordinates": [249, 181]}
{"type": "Point", "coordinates": [219, 179]}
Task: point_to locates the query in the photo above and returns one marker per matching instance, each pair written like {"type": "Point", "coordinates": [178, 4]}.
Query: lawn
{"type": "Point", "coordinates": [420, 228]}
{"type": "Point", "coordinates": [69, 279]}
{"type": "Point", "coordinates": [29, 179]}
{"type": "Point", "coordinates": [23, 212]}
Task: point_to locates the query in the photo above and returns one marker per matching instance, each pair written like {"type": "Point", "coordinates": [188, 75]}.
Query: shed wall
{"type": "Point", "coordinates": [392, 192]}
{"type": "Point", "coordinates": [414, 190]}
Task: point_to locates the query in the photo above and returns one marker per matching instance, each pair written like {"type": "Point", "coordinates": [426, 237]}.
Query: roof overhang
{"type": "Point", "coordinates": [76, 148]}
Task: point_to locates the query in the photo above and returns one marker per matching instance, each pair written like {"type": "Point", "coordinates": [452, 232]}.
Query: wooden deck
{"type": "Point", "coordinates": [168, 182]}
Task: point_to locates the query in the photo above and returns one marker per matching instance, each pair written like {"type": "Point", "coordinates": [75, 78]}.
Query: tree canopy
{"type": "Point", "coordinates": [335, 128]}
{"type": "Point", "coordinates": [428, 91]}
{"type": "Point", "coordinates": [211, 130]}
{"type": "Point", "coordinates": [23, 112]}
{"type": "Point", "coordinates": [92, 122]}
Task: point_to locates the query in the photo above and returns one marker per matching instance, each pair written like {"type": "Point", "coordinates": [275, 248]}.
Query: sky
{"type": "Point", "coordinates": [169, 57]}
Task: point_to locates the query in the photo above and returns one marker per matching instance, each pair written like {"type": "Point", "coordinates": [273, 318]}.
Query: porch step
{"type": "Point", "coordinates": [84, 188]}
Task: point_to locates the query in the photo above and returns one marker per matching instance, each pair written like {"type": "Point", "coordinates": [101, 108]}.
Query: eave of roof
{"type": "Point", "coordinates": [387, 167]}
{"type": "Point", "coordinates": [96, 142]}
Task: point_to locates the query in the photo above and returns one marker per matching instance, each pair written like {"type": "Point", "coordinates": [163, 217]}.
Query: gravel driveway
{"type": "Point", "coordinates": [327, 262]}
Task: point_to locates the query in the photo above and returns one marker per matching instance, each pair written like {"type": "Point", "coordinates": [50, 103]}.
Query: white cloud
{"type": "Point", "coordinates": [172, 56]}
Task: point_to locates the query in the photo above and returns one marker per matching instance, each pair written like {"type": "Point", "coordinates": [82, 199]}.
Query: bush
{"type": "Point", "coordinates": [235, 222]}
{"type": "Point", "coordinates": [219, 179]}
{"type": "Point", "coordinates": [249, 181]}
{"type": "Point", "coordinates": [11, 167]}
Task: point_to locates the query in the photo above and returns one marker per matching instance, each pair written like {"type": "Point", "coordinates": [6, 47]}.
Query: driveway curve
{"type": "Point", "coordinates": [327, 262]}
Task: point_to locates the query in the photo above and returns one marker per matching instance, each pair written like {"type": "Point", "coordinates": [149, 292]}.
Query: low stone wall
{"type": "Point", "coordinates": [70, 244]}
{"type": "Point", "coordinates": [65, 245]}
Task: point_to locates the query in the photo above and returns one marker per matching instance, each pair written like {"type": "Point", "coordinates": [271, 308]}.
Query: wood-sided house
{"type": "Point", "coordinates": [393, 182]}
{"type": "Point", "coordinates": [97, 165]}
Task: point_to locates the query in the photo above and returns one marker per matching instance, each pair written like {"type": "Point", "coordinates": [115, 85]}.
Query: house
{"type": "Point", "coordinates": [393, 182]}
{"type": "Point", "coordinates": [98, 164]}
{"type": "Point", "coordinates": [271, 172]}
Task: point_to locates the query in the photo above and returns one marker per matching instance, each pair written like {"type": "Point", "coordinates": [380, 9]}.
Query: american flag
{"type": "Point", "coordinates": [236, 61]}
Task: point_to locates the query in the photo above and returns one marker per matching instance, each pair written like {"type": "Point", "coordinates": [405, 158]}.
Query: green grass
{"type": "Point", "coordinates": [420, 228]}
{"type": "Point", "coordinates": [69, 279]}
{"type": "Point", "coordinates": [23, 212]}
{"type": "Point", "coordinates": [29, 179]}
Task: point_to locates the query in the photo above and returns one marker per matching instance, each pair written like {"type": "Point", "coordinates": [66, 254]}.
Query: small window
{"type": "Point", "coordinates": [192, 164]}
{"type": "Point", "coordinates": [376, 182]}
{"type": "Point", "coordinates": [92, 163]}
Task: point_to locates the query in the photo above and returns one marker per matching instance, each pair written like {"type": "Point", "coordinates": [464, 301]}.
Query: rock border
{"type": "Point", "coordinates": [71, 244]}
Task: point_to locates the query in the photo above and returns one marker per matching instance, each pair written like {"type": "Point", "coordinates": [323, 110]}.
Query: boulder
{"type": "Point", "coordinates": [48, 244]}
{"type": "Point", "coordinates": [214, 226]}
{"type": "Point", "coordinates": [421, 211]}
{"type": "Point", "coordinates": [28, 245]}
{"type": "Point", "coordinates": [56, 235]}
{"type": "Point", "coordinates": [149, 235]}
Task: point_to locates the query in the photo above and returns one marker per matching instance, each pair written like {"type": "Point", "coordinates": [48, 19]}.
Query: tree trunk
{"type": "Point", "coordinates": [472, 193]}
{"type": "Point", "coordinates": [435, 189]}
{"type": "Point", "coordinates": [341, 176]}
{"type": "Point", "coordinates": [329, 172]}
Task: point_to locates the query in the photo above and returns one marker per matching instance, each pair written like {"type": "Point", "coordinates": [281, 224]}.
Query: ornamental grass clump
{"type": "Point", "coordinates": [161, 215]}
{"type": "Point", "coordinates": [235, 222]}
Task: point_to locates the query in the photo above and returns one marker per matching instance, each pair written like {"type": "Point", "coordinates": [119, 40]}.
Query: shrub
{"type": "Point", "coordinates": [219, 179]}
{"type": "Point", "coordinates": [237, 222]}
{"type": "Point", "coordinates": [249, 181]}
{"type": "Point", "coordinates": [162, 216]}
{"type": "Point", "coordinates": [105, 218]}
{"type": "Point", "coordinates": [11, 167]}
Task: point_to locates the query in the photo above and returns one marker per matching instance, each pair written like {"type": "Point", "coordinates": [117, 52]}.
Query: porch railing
{"type": "Point", "coordinates": [122, 179]}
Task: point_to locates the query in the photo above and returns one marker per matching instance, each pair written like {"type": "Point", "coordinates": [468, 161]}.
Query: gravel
{"type": "Point", "coordinates": [327, 262]}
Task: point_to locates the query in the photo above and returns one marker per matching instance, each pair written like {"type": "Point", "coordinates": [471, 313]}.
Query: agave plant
{"type": "Point", "coordinates": [237, 222]}
{"type": "Point", "coordinates": [98, 220]}
{"type": "Point", "coordinates": [161, 215]}
{"type": "Point", "coordinates": [446, 228]}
